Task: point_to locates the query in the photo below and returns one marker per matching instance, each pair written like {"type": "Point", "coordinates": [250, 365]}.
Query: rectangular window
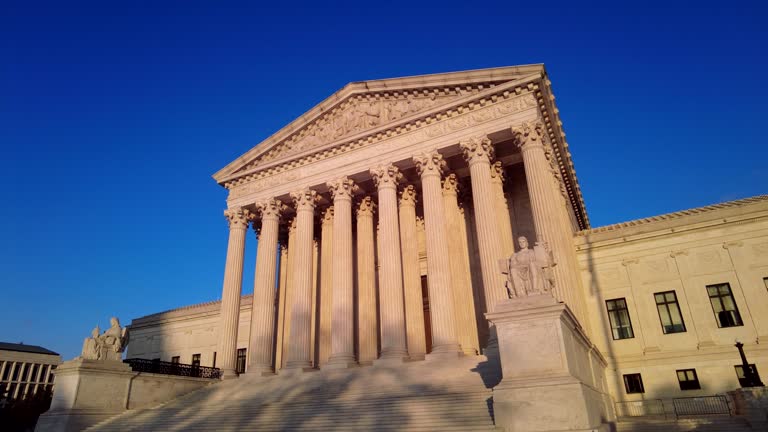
{"type": "Point", "coordinates": [25, 371]}
{"type": "Point", "coordinates": [633, 383]}
{"type": "Point", "coordinates": [618, 315]}
{"type": "Point", "coordinates": [669, 312]}
{"type": "Point", "coordinates": [15, 375]}
{"type": "Point", "coordinates": [724, 306]}
{"type": "Point", "coordinates": [50, 376]}
{"type": "Point", "coordinates": [240, 368]}
{"type": "Point", "coordinates": [195, 360]}
{"type": "Point", "coordinates": [176, 359]}
{"type": "Point", "coordinates": [743, 381]}
{"type": "Point", "coordinates": [688, 379]}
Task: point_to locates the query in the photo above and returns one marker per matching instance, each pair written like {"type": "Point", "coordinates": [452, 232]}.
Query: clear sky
{"type": "Point", "coordinates": [114, 116]}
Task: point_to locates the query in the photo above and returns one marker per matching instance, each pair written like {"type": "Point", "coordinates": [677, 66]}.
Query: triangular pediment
{"type": "Point", "coordinates": [366, 106]}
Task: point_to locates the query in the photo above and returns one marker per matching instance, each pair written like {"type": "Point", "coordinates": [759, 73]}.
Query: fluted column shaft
{"type": "Point", "coordinates": [326, 285]}
{"type": "Point", "coordinates": [549, 213]}
{"type": "Point", "coordinates": [366, 283]}
{"type": "Point", "coordinates": [444, 340]}
{"type": "Point", "coordinates": [502, 210]}
{"type": "Point", "coordinates": [414, 304]}
{"type": "Point", "coordinates": [281, 304]}
{"type": "Point", "coordinates": [230, 297]}
{"type": "Point", "coordinates": [299, 352]}
{"type": "Point", "coordinates": [466, 326]}
{"type": "Point", "coordinates": [478, 152]}
{"type": "Point", "coordinates": [342, 322]}
{"type": "Point", "coordinates": [393, 343]}
{"type": "Point", "coordinates": [263, 310]}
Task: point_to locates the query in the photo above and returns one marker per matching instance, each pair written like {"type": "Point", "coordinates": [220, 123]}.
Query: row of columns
{"type": "Point", "coordinates": [399, 278]}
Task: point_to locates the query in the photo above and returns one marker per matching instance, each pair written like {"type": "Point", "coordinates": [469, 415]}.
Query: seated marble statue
{"type": "Point", "coordinates": [529, 271]}
{"type": "Point", "coordinates": [107, 346]}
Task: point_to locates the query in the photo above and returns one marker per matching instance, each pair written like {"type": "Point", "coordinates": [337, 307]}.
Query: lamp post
{"type": "Point", "coordinates": [753, 380]}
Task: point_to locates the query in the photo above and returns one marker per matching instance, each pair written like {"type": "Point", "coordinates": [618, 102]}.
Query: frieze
{"type": "Point", "coordinates": [474, 114]}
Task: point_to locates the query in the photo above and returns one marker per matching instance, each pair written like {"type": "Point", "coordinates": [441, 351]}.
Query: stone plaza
{"type": "Point", "coordinates": [424, 240]}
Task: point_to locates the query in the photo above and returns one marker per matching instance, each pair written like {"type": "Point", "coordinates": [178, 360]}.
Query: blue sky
{"type": "Point", "coordinates": [114, 116]}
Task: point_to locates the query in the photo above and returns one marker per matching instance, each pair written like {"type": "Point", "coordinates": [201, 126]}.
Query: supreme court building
{"type": "Point", "coordinates": [385, 213]}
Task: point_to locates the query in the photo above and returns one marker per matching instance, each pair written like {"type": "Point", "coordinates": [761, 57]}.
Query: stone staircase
{"type": "Point", "coordinates": [444, 395]}
{"type": "Point", "coordinates": [699, 424]}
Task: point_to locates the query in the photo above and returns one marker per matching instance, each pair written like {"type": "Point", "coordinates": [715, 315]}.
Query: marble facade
{"type": "Point", "coordinates": [382, 214]}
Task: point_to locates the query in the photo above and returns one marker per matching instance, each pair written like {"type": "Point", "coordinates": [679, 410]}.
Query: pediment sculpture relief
{"type": "Point", "coordinates": [108, 345]}
{"type": "Point", "coordinates": [357, 115]}
{"type": "Point", "coordinates": [529, 270]}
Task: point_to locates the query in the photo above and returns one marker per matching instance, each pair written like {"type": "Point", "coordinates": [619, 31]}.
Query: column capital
{"type": "Point", "coordinates": [326, 215]}
{"type": "Point", "coordinates": [451, 185]}
{"type": "Point", "coordinates": [271, 208]}
{"type": "Point", "coordinates": [529, 134]}
{"type": "Point", "coordinates": [305, 199]}
{"type": "Point", "coordinates": [497, 172]}
{"type": "Point", "coordinates": [238, 218]}
{"type": "Point", "coordinates": [386, 176]}
{"type": "Point", "coordinates": [477, 149]}
{"type": "Point", "coordinates": [430, 164]}
{"type": "Point", "coordinates": [408, 196]}
{"type": "Point", "coordinates": [365, 207]}
{"type": "Point", "coordinates": [342, 188]}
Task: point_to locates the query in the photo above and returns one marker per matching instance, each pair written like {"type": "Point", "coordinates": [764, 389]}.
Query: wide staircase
{"type": "Point", "coordinates": [439, 395]}
{"type": "Point", "coordinates": [701, 424]}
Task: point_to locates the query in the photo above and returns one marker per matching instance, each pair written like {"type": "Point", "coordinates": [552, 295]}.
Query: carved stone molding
{"type": "Point", "coordinates": [451, 185]}
{"type": "Point", "coordinates": [386, 175]}
{"type": "Point", "coordinates": [305, 199]}
{"type": "Point", "coordinates": [629, 261]}
{"type": "Point", "coordinates": [365, 207]}
{"type": "Point", "coordinates": [430, 164]}
{"type": "Point", "coordinates": [408, 195]}
{"type": "Point", "coordinates": [677, 253]}
{"type": "Point", "coordinates": [238, 218]}
{"type": "Point", "coordinates": [731, 244]}
{"type": "Point", "coordinates": [342, 188]}
{"type": "Point", "coordinates": [477, 149]}
{"type": "Point", "coordinates": [271, 208]}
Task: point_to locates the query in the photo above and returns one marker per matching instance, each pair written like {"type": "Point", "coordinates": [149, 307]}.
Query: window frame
{"type": "Point", "coordinates": [739, 367]}
{"type": "Point", "coordinates": [240, 360]}
{"type": "Point", "coordinates": [176, 359]}
{"type": "Point", "coordinates": [666, 304]}
{"type": "Point", "coordinates": [719, 296]}
{"type": "Point", "coordinates": [616, 311]}
{"type": "Point", "coordinates": [196, 360]}
{"type": "Point", "coordinates": [695, 383]}
{"type": "Point", "coordinates": [639, 377]}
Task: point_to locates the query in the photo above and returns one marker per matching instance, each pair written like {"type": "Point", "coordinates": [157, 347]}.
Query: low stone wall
{"type": "Point", "coordinates": [90, 391]}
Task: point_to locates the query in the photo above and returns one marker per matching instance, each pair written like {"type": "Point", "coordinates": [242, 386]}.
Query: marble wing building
{"type": "Point", "coordinates": [385, 215]}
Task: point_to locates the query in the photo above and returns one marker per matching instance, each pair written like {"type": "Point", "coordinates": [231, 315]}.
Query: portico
{"type": "Point", "coordinates": [357, 181]}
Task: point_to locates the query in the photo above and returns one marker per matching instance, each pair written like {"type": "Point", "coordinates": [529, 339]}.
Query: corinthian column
{"type": "Point", "coordinates": [263, 310]}
{"type": "Point", "coordinates": [299, 350]}
{"type": "Point", "coordinates": [464, 304]}
{"type": "Point", "coordinates": [414, 304]}
{"type": "Point", "coordinates": [342, 322]}
{"type": "Point", "coordinates": [230, 296]}
{"type": "Point", "coordinates": [478, 152]}
{"type": "Point", "coordinates": [393, 343]}
{"type": "Point", "coordinates": [444, 341]}
{"type": "Point", "coordinates": [550, 216]}
{"type": "Point", "coordinates": [366, 283]}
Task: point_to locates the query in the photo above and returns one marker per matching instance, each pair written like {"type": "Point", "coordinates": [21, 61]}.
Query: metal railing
{"type": "Point", "coordinates": [168, 368]}
{"type": "Point", "coordinates": [641, 408]}
{"type": "Point", "coordinates": [702, 405]}
{"type": "Point", "coordinates": [675, 408]}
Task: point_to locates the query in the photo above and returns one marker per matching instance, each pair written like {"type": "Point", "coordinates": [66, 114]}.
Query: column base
{"type": "Point", "coordinates": [228, 374]}
{"type": "Point", "coordinates": [391, 360]}
{"type": "Point", "coordinates": [345, 361]}
{"type": "Point", "coordinates": [259, 371]}
{"type": "Point", "coordinates": [296, 371]}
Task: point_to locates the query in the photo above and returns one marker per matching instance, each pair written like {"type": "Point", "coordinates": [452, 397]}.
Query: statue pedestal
{"type": "Point", "coordinates": [86, 392]}
{"type": "Point", "coordinates": [554, 377]}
